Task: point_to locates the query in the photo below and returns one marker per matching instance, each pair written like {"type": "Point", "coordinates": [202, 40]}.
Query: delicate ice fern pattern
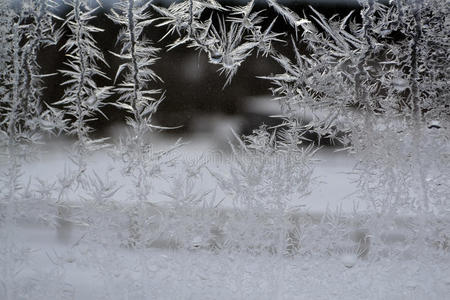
{"type": "Point", "coordinates": [378, 67]}
{"type": "Point", "coordinates": [11, 124]}
{"type": "Point", "coordinates": [39, 31]}
{"type": "Point", "coordinates": [288, 15]}
{"type": "Point", "coordinates": [139, 55]}
{"type": "Point", "coordinates": [136, 98]}
{"type": "Point", "coordinates": [82, 98]}
{"type": "Point", "coordinates": [227, 46]}
{"type": "Point", "coordinates": [378, 82]}
{"type": "Point", "coordinates": [21, 119]}
{"type": "Point", "coordinates": [268, 210]}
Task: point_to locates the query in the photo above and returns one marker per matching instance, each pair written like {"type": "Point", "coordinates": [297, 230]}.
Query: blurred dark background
{"type": "Point", "coordinates": [195, 97]}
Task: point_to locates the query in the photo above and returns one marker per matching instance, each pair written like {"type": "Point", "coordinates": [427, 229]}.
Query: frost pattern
{"type": "Point", "coordinates": [378, 84]}
{"type": "Point", "coordinates": [82, 97]}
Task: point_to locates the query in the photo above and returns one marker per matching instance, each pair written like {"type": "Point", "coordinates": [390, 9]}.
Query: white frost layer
{"type": "Point", "coordinates": [332, 189]}
{"type": "Point", "coordinates": [95, 272]}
